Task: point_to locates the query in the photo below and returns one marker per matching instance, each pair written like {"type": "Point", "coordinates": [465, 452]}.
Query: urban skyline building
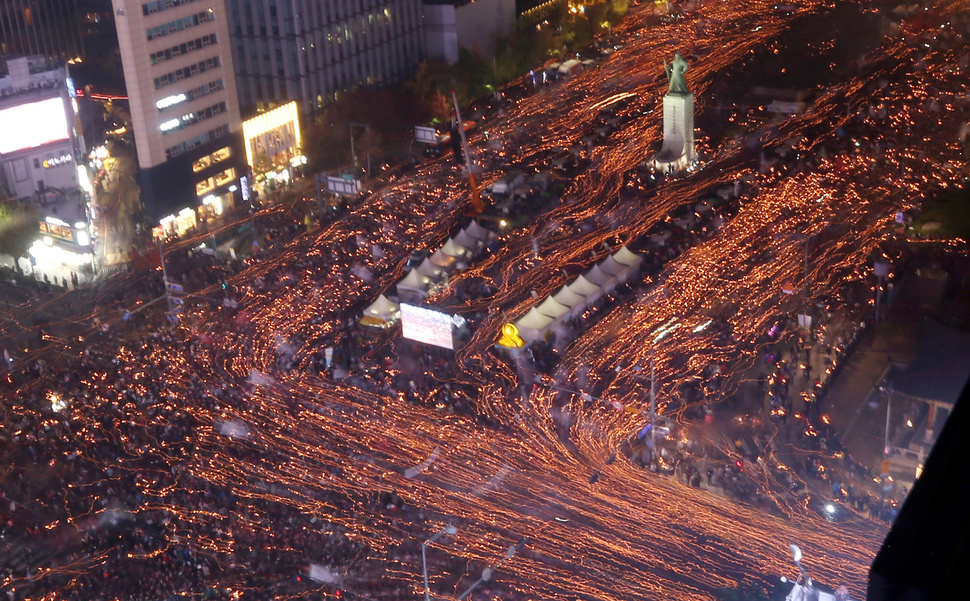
{"type": "Point", "coordinates": [472, 25]}
{"type": "Point", "coordinates": [184, 108]}
{"type": "Point", "coordinates": [51, 28]}
{"type": "Point", "coordinates": [39, 163]}
{"type": "Point", "coordinates": [194, 69]}
{"type": "Point", "coordinates": [311, 51]}
{"type": "Point", "coordinates": [41, 142]}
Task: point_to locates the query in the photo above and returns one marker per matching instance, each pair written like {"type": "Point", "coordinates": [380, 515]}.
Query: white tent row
{"type": "Point", "coordinates": [415, 285]}
{"type": "Point", "coordinates": [579, 295]}
{"type": "Point", "coordinates": [452, 255]}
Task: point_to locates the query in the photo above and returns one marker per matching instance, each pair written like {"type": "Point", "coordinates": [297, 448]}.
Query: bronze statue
{"type": "Point", "coordinates": [675, 73]}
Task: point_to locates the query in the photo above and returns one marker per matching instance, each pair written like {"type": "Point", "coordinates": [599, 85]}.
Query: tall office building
{"type": "Point", "coordinates": [184, 109]}
{"type": "Point", "coordinates": [470, 24]}
{"type": "Point", "coordinates": [311, 50]}
{"type": "Point", "coordinates": [46, 27]}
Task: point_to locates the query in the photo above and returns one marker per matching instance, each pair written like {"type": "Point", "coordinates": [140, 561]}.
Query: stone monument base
{"type": "Point", "coordinates": [677, 151]}
{"type": "Point", "coordinates": [669, 164]}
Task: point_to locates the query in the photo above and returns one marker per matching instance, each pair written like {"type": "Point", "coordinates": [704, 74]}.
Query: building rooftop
{"type": "Point", "coordinates": [26, 73]}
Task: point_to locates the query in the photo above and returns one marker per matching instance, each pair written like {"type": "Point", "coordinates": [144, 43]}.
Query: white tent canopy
{"type": "Point", "coordinates": [415, 283]}
{"type": "Point", "coordinates": [476, 231]}
{"type": "Point", "coordinates": [598, 277]}
{"type": "Point", "coordinates": [429, 269]}
{"type": "Point", "coordinates": [583, 287]}
{"type": "Point", "coordinates": [612, 267]}
{"type": "Point", "coordinates": [442, 260]}
{"type": "Point", "coordinates": [383, 309]}
{"type": "Point", "coordinates": [466, 240]}
{"type": "Point", "coordinates": [453, 249]}
{"type": "Point", "coordinates": [551, 308]}
{"type": "Point", "coordinates": [567, 297]}
{"type": "Point", "coordinates": [577, 296]}
{"type": "Point", "coordinates": [627, 257]}
{"type": "Point", "coordinates": [532, 326]}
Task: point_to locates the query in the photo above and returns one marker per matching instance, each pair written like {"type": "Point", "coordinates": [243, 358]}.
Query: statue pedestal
{"type": "Point", "coordinates": [677, 151]}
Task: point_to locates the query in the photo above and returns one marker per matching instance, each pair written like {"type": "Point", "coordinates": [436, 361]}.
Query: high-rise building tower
{"type": "Point", "coordinates": [311, 50]}
{"type": "Point", "coordinates": [470, 24]}
{"type": "Point", "coordinates": [50, 28]}
{"type": "Point", "coordinates": [184, 109]}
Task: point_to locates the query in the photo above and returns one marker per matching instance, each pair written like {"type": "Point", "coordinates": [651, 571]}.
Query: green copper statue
{"type": "Point", "coordinates": [675, 73]}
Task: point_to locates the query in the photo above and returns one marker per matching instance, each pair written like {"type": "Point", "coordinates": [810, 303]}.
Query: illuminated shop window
{"type": "Point", "coordinates": [205, 186]}
{"type": "Point", "coordinates": [221, 154]}
{"type": "Point", "coordinates": [225, 176]}
{"type": "Point", "coordinates": [202, 163]}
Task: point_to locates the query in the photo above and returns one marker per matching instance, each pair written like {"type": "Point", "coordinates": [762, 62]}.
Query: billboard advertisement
{"type": "Point", "coordinates": [343, 185]}
{"type": "Point", "coordinates": [33, 124]}
{"type": "Point", "coordinates": [428, 135]}
{"type": "Point", "coordinates": [424, 325]}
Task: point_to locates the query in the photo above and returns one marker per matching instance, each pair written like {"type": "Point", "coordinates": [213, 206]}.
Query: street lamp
{"type": "Point", "coordinates": [168, 286]}
{"type": "Point", "coordinates": [353, 154]}
{"type": "Point", "coordinates": [449, 530]}
{"type": "Point", "coordinates": [476, 200]}
{"type": "Point", "coordinates": [884, 468]}
{"type": "Point", "coordinates": [881, 269]}
{"type": "Point", "coordinates": [487, 572]}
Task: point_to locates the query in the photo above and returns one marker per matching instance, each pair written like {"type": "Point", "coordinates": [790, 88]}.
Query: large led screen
{"type": "Point", "coordinates": [33, 124]}
{"type": "Point", "coordinates": [423, 325]}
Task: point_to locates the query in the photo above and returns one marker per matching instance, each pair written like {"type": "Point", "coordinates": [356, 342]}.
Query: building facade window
{"type": "Point", "coordinates": [205, 186]}
{"type": "Point", "coordinates": [150, 8]}
{"type": "Point", "coordinates": [211, 159]}
{"type": "Point", "coordinates": [180, 24]}
{"type": "Point", "coordinates": [225, 177]}
{"type": "Point", "coordinates": [197, 92]}
{"type": "Point", "coordinates": [186, 72]}
{"type": "Point", "coordinates": [212, 134]}
{"type": "Point", "coordinates": [180, 49]}
{"type": "Point", "coordinates": [189, 119]}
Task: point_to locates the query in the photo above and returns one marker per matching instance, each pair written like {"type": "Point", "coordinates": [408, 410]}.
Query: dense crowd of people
{"type": "Point", "coordinates": [102, 495]}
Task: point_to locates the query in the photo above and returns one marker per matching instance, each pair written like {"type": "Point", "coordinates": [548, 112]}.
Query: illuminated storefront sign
{"type": "Point", "coordinates": [64, 159]}
{"type": "Point", "coordinates": [273, 133]}
{"type": "Point", "coordinates": [52, 228]}
{"type": "Point", "coordinates": [57, 231]}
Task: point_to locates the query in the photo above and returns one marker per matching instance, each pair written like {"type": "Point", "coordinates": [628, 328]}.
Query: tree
{"type": "Point", "coordinates": [327, 141]}
{"type": "Point", "coordinates": [475, 75]}
{"type": "Point", "coordinates": [263, 164]}
{"type": "Point", "coordinates": [508, 64]}
{"type": "Point", "coordinates": [119, 202]}
{"type": "Point", "coordinates": [129, 208]}
{"type": "Point", "coordinates": [618, 9]}
{"type": "Point", "coordinates": [597, 15]}
{"type": "Point", "coordinates": [430, 103]}
{"type": "Point", "coordinates": [387, 113]}
{"type": "Point", "coordinates": [18, 228]}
